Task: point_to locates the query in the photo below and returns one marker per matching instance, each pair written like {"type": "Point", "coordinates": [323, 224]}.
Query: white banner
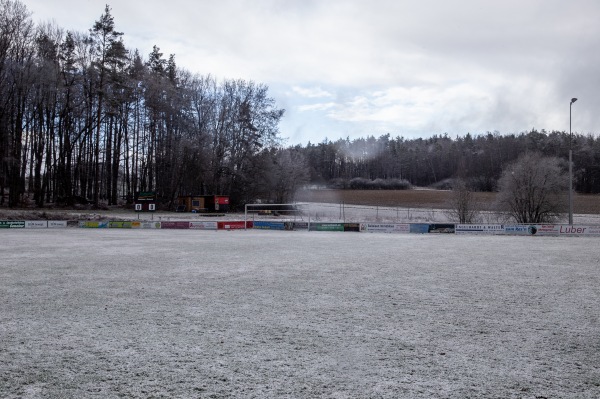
{"type": "Point", "coordinates": [479, 229]}
{"type": "Point", "coordinates": [36, 224]}
{"type": "Point", "coordinates": [563, 230]}
{"type": "Point", "coordinates": [57, 224]}
{"type": "Point", "coordinates": [529, 229]}
{"type": "Point", "coordinates": [203, 225]}
{"type": "Point", "coordinates": [385, 227]}
{"type": "Point", "coordinates": [145, 225]}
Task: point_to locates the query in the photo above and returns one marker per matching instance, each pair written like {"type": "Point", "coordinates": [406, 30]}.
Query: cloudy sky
{"type": "Point", "coordinates": [353, 68]}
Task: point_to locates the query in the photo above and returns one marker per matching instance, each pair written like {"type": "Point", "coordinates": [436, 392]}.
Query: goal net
{"type": "Point", "coordinates": [283, 212]}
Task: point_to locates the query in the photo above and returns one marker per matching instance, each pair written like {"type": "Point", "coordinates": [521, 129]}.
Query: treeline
{"type": "Point", "coordinates": [478, 159]}
{"type": "Point", "coordinates": [82, 118]}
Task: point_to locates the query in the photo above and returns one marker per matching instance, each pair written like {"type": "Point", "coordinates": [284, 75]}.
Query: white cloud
{"type": "Point", "coordinates": [317, 107]}
{"type": "Point", "coordinates": [312, 92]}
{"type": "Point", "coordinates": [382, 65]}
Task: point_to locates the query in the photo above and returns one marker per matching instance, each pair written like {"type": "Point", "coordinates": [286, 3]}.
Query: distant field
{"type": "Point", "coordinates": [434, 199]}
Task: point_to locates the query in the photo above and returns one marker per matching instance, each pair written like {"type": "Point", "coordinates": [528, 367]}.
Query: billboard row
{"type": "Point", "coordinates": [32, 224]}
{"type": "Point", "coordinates": [529, 229]}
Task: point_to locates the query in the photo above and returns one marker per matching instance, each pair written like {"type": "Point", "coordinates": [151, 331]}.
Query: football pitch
{"type": "Point", "coordinates": [111, 313]}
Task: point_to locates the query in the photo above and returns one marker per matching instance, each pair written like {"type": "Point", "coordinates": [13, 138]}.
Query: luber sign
{"type": "Point", "coordinates": [572, 230]}
{"type": "Point", "coordinates": [579, 230]}
{"type": "Point", "coordinates": [562, 230]}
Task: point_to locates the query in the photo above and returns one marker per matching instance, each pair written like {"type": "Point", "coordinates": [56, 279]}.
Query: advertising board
{"type": "Point", "coordinates": [517, 229]}
{"type": "Point", "coordinates": [419, 228]}
{"type": "Point", "coordinates": [264, 225]}
{"type": "Point", "coordinates": [120, 225]}
{"type": "Point", "coordinates": [145, 225]}
{"type": "Point", "coordinates": [479, 229]}
{"type": "Point", "coordinates": [237, 225]}
{"type": "Point", "coordinates": [174, 225]}
{"type": "Point", "coordinates": [57, 224]}
{"type": "Point", "coordinates": [296, 225]}
{"type": "Point", "coordinates": [441, 228]}
{"type": "Point", "coordinates": [326, 227]}
{"type": "Point", "coordinates": [12, 224]}
{"type": "Point", "coordinates": [203, 225]}
{"type": "Point", "coordinates": [529, 229]}
{"type": "Point", "coordinates": [36, 224]}
{"type": "Point", "coordinates": [562, 230]}
{"type": "Point", "coordinates": [351, 226]}
{"type": "Point", "coordinates": [385, 227]}
{"type": "Point", "coordinates": [86, 224]}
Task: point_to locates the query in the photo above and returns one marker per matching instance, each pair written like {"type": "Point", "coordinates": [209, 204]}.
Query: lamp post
{"type": "Point", "coordinates": [571, 164]}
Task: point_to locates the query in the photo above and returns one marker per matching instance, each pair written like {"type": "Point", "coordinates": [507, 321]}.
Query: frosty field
{"type": "Point", "coordinates": [114, 313]}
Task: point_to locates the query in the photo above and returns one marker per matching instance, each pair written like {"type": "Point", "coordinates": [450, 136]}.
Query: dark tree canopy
{"type": "Point", "coordinates": [477, 159]}
{"type": "Point", "coordinates": [84, 118]}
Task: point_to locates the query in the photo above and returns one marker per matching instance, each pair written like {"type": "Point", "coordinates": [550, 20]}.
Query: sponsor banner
{"type": "Point", "coordinates": [518, 229]}
{"type": "Point", "coordinates": [204, 225]}
{"type": "Point", "coordinates": [234, 225]}
{"type": "Point", "coordinates": [326, 227]}
{"type": "Point", "coordinates": [419, 228]}
{"type": "Point", "coordinates": [351, 226]}
{"type": "Point", "coordinates": [441, 228]}
{"type": "Point", "coordinates": [120, 225]}
{"type": "Point", "coordinates": [145, 225]}
{"type": "Point", "coordinates": [36, 224]}
{"type": "Point", "coordinates": [174, 225]}
{"type": "Point", "coordinates": [530, 229]}
{"type": "Point", "coordinates": [93, 225]}
{"type": "Point", "coordinates": [562, 230]}
{"type": "Point", "coordinates": [480, 229]}
{"type": "Point", "coordinates": [269, 225]}
{"type": "Point", "coordinates": [543, 229]}
{"type": "Point", "coordinates": [57, 224]}
{"type": "Point", "coordinates": [296, 225]}
{"type": "Point", "coordinates": [593, 230]}
{"type": "Point", "coordinates": [12, 224]}
{"type": "Point", "coordinates": [385, 227]}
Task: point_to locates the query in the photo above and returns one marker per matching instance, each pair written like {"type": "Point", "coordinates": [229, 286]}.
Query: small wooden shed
{"type": "Point", "coordinates": [203, 203]}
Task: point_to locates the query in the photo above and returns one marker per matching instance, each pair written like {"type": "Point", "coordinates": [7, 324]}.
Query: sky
{"type": "Point", "coordinates": [358, 68]}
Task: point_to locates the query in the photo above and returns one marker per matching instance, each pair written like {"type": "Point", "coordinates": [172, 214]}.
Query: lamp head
{"type": "Point", "coordinates": [573, 100]}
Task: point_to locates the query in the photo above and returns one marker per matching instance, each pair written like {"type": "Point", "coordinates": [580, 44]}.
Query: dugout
{"type": "Point", "coordinates": [203, 203]}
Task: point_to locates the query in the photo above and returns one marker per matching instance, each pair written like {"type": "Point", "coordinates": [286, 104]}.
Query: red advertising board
{"type": "Point", "coordinates": [235, 225]}
{"type": "Point", "coordinates": [221, 200]}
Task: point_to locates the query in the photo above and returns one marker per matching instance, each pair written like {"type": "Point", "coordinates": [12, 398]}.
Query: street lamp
{"type": "Point", "coordinates": [571, 164]}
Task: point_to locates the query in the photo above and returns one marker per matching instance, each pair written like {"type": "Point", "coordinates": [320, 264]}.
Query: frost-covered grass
{"type": "Point", "coordinates": [259, 314]}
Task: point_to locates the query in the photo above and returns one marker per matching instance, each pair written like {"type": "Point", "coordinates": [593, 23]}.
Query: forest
{"type": "Point", "coordinates": [84, 119]}
{"type": "Point", "coordinates": [434, 162]}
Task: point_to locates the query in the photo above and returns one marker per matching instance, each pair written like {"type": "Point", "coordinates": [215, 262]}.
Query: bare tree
{"type": "Point", "coordinates": [288, 173]}
{"type": "Point", "coordinates": [463, 207]}
{"type": "Point", "coordinates": [533, 189]}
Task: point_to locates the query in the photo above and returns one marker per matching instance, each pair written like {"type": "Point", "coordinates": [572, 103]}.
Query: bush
{"type": "Point", "coordinates": [360, 183]}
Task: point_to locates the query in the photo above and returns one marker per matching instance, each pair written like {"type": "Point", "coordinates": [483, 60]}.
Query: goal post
{"type": "Point", "coordinates": [272, 210]}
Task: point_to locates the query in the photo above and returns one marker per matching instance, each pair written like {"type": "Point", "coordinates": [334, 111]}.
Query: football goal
{"type": "Point", "coordinates": [283, 212]}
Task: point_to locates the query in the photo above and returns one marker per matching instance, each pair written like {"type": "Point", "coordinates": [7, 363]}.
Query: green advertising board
{"type": "Point", "coordinates": [327, 227]}
{"type": "Point", "coordinates": [12, 224]}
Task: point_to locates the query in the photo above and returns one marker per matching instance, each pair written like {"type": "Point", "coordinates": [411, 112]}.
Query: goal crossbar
{"type": "Point", "coordinates": [289, 207]}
